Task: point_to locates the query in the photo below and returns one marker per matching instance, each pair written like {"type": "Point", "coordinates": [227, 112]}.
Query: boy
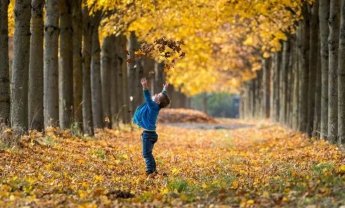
{"type": "Point", "coordinates": [145, 116]}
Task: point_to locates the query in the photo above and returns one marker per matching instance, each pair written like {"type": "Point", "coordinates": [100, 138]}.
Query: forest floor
{"type": "Point", "coordinates": [228, 164]}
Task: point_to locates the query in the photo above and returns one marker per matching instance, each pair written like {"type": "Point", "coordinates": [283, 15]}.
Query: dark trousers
{"type": "Point", "coordinates": [149, 139]}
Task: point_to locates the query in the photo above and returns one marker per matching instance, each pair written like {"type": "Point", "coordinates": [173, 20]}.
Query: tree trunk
{"type": "Point", "coordinates": [66, 66]}
{"type": "Point", "coordinates": [51, 91]}
{"type": "Point", "coordinates": [36, 120]}
{"type": "Point", "coordinates": [333, 45]}
{"type": "Point", "coordinates": [266, 90]}
{"type": "Point", "coordinates": [283, 82]}
{"type": "Point", "coordinates": [341, 78]}
{"type": "Point", "coordinates": [132, 69]}
{"type": "Point", "coordinates": [114, 98]}
{"type": "Point", "coordinates": [77, 63]}
{"type": "Point", "coordinates": [275, 90]}
{"type": "Point", "coordinates": [96, 87]}
{"type": "Point", "coordinates": [324, 31]}
{"type": "Point", "coordinates": [20, 70]}
{"type": "Point", "coordinates": [119, 84]}
{"type": "Point", "coordinates": [86, 106]}
{"type": "Point", "coordinates": [303, 52]}
{"type": "Point", "coordinates": [123, 65]}
{"type": "Point", "coordinates": [296, 86]}
{"type": "Point", "coordinates": [313, 58]}
{"type": "Point", "coordinates": [106, 61]}
{"type": "Point", "coordinates": [4, 64]}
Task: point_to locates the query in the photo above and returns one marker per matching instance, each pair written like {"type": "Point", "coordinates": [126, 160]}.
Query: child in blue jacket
{"type": "Point", "coordinates": [145, 116]}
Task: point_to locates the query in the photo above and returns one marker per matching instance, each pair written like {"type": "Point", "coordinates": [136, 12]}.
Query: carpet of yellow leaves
{"type": "Point", "coordinates": [260, 165]}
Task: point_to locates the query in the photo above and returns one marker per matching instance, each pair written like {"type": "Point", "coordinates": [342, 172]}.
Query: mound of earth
{"type": "Point", "coordinates": [182, 115]}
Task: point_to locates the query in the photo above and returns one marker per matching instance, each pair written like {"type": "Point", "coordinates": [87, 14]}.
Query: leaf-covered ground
{"type": "Point", "coordinates": [262, 165]}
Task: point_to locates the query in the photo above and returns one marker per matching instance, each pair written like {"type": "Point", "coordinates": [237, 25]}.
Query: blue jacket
{"type": "Point", "coordinates": [146, 114]}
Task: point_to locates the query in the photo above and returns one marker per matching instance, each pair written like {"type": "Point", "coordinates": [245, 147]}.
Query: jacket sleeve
{"type": "Point", "coordinates": [148, 100]}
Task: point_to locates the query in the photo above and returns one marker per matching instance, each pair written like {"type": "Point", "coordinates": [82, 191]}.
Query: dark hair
{"type": "Point", "coordinates": [164, 100]}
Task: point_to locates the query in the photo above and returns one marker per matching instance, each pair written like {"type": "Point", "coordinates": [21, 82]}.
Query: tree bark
{"type": "Point", "coordinates": [114, 98]}
{"type": "Point", "coordinates": [20, 70]}
{"type": "Point", "coordinates": [333, 45]}
{"type": "Point", "coordinates": [35, 97]}
{"type": "Point", "coordinates": [266, 90]}
{"type": "Point", "coordinates": [119, 115]}
{"type": "Point", "coordinates": [106, 61]}
{"type": "Point", "coordinates": [51, 91]}
{"type": "Point", "coordinates": [66, 66]}
{"type": "Point", "coordinates": [275, 89]}
{"type": "Point", "coordinates": [313, 58]}
{"type": "Point", "coordinates": [296, 86]}
{"type": "Point", "coordinates": [132, 70]}
{"type": "Point", "coordinates": [77, 63]}
{"type": "Point", "coordinates": [86, 106]}
{"type": "Point", "coordinates": [324, 32]}
{"type": "Point", "coordinates": [284, 82]}
{"type": "Point", "coordinates": [341, 78]}
{"type": "Point", "coordinates": [127, 114]}
{"type": "Point", "coordinates": [303, 51]}
{"type": "Point", "coordinates": [96, 87]}
{"type": "Point", "coordinates": [4, 64]}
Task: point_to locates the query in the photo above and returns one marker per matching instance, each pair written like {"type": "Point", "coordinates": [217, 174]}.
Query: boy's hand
{"type": "Point", "coordinates": [165, 86]}
{"type": "Point", "coordinates": [144, 83]}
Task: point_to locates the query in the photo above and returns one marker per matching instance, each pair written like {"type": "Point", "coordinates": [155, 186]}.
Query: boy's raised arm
{"type": "Point", "coordinates": [147, 94]}
{"type": "Point", "coordinates": [165, 88]}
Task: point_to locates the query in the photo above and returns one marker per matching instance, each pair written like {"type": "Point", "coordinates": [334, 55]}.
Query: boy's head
{"type": "Point", "coordinates": [161, 99]}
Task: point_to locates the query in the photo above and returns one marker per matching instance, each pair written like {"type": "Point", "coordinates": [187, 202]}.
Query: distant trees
{"type": "Point", "coordinates": [315, 69]}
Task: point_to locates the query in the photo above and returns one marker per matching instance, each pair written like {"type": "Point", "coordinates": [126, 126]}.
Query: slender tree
{"type": "Point", "coordinates": [120, 61]}
{"type": "Point", "coordinates": [66, 65]}
{"type": "Point", "coordinates": [4, 64]}
{"type": "Point", "coordinates": [96, 87]}
{"type": "Point", "coordinates": [77, 63]}
{"type": "Point", "coordinates": [20, 70]}
{"type": "Point", "coordinates": [333, 45]}
{"type": "Point", "coordinates": [36, 120]}
{"type": "Point", "coordinates": [51, 90]}
{"type": "Point", "coordinates": [313, 61]}
{"type": "Point", "coordinates": [106, 61]}
{"type": "Point", "coordinates": [341, 78]}
{"type": "Point", "coordinates": [86, 104]}
{"type": "Point", "coordinates": [324, 31]}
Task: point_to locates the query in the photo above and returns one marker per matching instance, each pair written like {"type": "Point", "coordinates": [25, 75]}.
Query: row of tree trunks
{"type": "Point", "coordinates": [63, 77]}
{"type": "Point", "coordinates": [310, 76]}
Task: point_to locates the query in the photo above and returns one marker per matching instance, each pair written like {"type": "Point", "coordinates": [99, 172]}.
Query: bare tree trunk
{"type": "Point", "coordinates": [51, 91]}
{"type": "Point", "coordinates": [114, 99]}
{"type": "Point", "coordinates": [324, 32]}
{"type": "Point", "coordinates": [123, 67]}
{"type": "Point", "coordinates": [303, 46]}
{"type": "Point", "coordinates": [119, 77]}
{"type": "Point", "coordinates": [106, 61]}
{"type": "Point", "coordinates": [275, 89]}
{"type": "Point", "coordinates": [132, 69]}
{"type": "Point", "coordinates": [86, 106]}
{"type": "Point", "coordinates": [4, 64]}
{"type": "Point", "coordinates": [266, 90]}
{"type": "Point", "coordinates": [96, 87]}
{"type": "Point", "coordinates": [313, 58]}
{"type": "Point", "coordinates": [284, 82]}
{"type": "Point", "coordinates": [66, 66]}
{"type": "Point", "coordinates": [20, 70]}
{"type": "Point", "coordinates": [35, 97]}
{"type": "Point", "coordinates": [333, 45]}
{"type": "Point", "coordinates": [77, 63]}
{"type": "Point", "coordinates": [341, 78]}
{"type": "Point", "coordinates": [296, 86]}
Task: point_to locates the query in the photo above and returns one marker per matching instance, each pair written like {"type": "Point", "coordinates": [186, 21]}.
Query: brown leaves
{"type": "Point", "coordinates": [253, 165]}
